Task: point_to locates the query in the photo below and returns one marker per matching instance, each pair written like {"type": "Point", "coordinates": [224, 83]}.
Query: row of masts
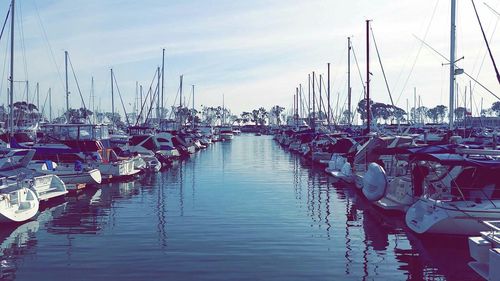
{"type": "Point", "coordinates": [160, 96]}
{"type": "Point", "coordinates": [297, 99]}
{"type": "Point", "coordinates": [312, 116]}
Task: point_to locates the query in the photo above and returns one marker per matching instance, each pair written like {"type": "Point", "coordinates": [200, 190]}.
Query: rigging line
{"type": "Point", "coordinates": [5, 22]}
{"type": "Point", "coordinates": [359, 70]}
{"type": "Point", "coordinates": [467, 74]}
{"type": "Point", "coordinates": [77, 84]}
{"type": "Point", "coordinates": [146, 99]}
{"type": "Point", "coordinates": [44, 103]}
{"type": "Point", "coordinates": [341, 61]}
{"type": "Point", "coordinates": [418, 53]}
{"type": "Point", "coordinates": [153, 100]}
{"type": "Point", "coordinates": [5, 65]}
{"type": "Point", "coordinates": [47, 45]}
{"type": "Point", "coordinates": [485, 53]}
{"type": "Point", "coordinates": [493, 10]}
{"type": "Point", "coordinates": [120, 95]}
{"type": "Point", "coordinates": [486, 42]}
{"type": "Point", "coordinates": [175, 101]}
{"type": "Point", "coordinates": [381, 66]}
{"type": "Point", "coordinates": [23, 45]}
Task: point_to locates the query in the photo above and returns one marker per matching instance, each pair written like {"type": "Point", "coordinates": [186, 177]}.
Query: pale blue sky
{"type": "Point", "coordinates": [254, 52]}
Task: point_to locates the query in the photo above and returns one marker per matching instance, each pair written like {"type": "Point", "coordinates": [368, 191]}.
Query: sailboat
{"type": "Point", "coordinates": [18, 202]}
{"type": "Point", "coordinates": [468, 187]}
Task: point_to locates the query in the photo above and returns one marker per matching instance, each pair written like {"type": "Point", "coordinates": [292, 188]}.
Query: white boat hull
{"type": "Point", "coordinates": [18, 205]}
{"type": "Point", "coordinates": [48, 187]}
{"type": "Point", "coordinates": [456, 218]}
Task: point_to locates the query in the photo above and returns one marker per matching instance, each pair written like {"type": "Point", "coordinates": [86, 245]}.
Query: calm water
{"type": "Point", "coordinates": [241, 210]}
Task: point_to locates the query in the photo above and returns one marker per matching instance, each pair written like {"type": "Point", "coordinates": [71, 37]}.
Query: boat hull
{"type": "Point", "coordinates": [18, 205]}
{"type": "Point", "coordinates": [455, 218]}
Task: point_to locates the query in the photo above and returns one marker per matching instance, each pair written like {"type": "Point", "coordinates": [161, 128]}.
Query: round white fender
{"type": "Point", "coordinates": [374, 182]}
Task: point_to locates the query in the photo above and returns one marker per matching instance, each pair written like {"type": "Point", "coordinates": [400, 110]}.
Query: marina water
{"type": "Point", "coordinates": [240, 210]}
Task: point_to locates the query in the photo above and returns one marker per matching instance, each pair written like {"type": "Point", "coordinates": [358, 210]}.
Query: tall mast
{"type": "Point", "coordinates": [223, 111]}
{"type": "Point", "coordinates": [140, 95]}
{"type": "Point", "coordinates": [37, 95]}
{"type": "Point", "coordinates": [368, 76]}
{"type": "Point", "coordinates": [314, 101]}
{"type": "Point", "coordinates": [452, 63]}
{"type": "Point", "coordinates": [180, 93]}
{"type": "Point", "coordinates": [309, 98]}
{"type": "Point", "coordinates": [162, 81]}
{"type": "Point", "coordinates": [93, 98]}
{"type": "Point", "coordinates": [50, 105]}
{"type": "Point", "coordinates": [180, 103]}
{"type": "Point", "coordinates": [300, 101]}
{"type": "Point", "coordinates": [328, 92]}
{"type": "Point", "coordinates": [296, 113]}
{"type": "Point", "coordinates": [136, 108]}
{"type": "Point", "coordinates": [11, 124]}
{"type": "Point", "coordinates": [349, 80]}
{"type": "Point", "coordinates": [112, 99]}
{"type": "Point", "coordinates": [320, 95]}
{"type": "Point", "coordinates": [192, 121]}
{"type": "Point", "coordinates": [158, 99]}
{"type": "Point", "coordinates": [67, 89]}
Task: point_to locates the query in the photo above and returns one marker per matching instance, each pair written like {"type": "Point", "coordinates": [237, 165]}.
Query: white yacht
{"type": "Point", "coordinates": [70, 174]}
{"type": "Point", "coordinates": [18, 202]}
{"type": "Point", "coordinates": [226, 133]}
{"type": "Point", "coordinates": [456, 201]}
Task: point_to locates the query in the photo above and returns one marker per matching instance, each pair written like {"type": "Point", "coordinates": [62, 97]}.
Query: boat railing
{"type": "Point", "coordinates": [494, 233]}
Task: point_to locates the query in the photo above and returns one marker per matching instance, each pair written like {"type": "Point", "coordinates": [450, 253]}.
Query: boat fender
{"type": "Point", "coordinates": [374, 182]}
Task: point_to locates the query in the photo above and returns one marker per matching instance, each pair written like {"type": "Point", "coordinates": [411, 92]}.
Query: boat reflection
{"type": "Point", "coordinates": [378, 232]}
{"type": "Point", "coordinates": [19, 240]}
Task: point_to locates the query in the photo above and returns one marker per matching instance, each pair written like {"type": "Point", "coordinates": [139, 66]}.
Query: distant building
{"type": "Point", "coordinates": [490, 122]}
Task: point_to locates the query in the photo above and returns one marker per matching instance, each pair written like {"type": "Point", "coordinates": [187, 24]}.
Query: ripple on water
{"type": "Point", "coordinates": [240, 210]}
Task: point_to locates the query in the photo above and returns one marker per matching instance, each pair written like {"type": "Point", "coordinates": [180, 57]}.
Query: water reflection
{"type": "Point", "coordinates": [244, 209]}
{"type": "Point", "coordinates": [19, 240]}
{"type": "Point", "coordinates": [370, 234]}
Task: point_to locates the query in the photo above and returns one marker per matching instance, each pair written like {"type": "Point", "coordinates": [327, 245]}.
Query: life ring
{"type": "Point", "coordinates": [374, 182]}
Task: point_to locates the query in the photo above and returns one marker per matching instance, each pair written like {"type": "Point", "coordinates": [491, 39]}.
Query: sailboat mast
{"type": "Point", "coordinates": [162, 81]}
{"type": "Point", "coordinates": [309, 98]}
{"type": "Point", "coordinates": [67, 90]}
{"type": "Point", "coordinates": [452, 63]}
{"type": "Point", "coordinates": [328, 92]}
{"type": "Point", "coordinates": [314, 101]}
{"type": "Point", "coordinates": [180, 103]}
{"type": "Point", "coordinates": [93, 98]}
{"type": "Point", "coordinates": [192, 121]}
{"type": "Point", "coordinates": [368, 75]}
{"type": "Point", "coordinates": [180, 93]}
{"type": "Point", "coordinates": [158, 99]}
{"type": "Point", "coordinates": [37, 95]}
{"type": "Point", "coordinates": [320, 96]}
{"type": "Point", "coordinates": [11, 82]}
{"type": "Point", "coordinates": [112, 99]}
{"type": "Point", "coordinates": [50, 105]}
{"type": "Point", "coordinates": [349, 80]}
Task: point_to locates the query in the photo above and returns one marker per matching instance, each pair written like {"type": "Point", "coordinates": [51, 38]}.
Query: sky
{"type": "Point", "coordinates": [254, 53]}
